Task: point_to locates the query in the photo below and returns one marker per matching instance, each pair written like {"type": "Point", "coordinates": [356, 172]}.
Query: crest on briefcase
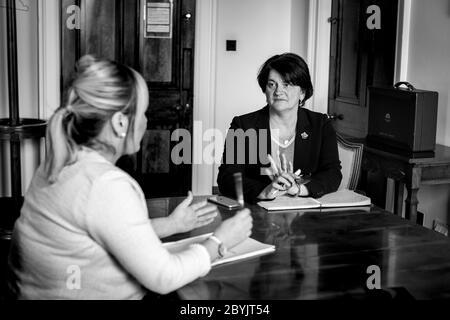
{"type": "Point", "coordinates": [387, 117]}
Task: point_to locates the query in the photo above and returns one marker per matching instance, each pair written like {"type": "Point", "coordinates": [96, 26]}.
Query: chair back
{"type": "Point", "coordinates": [350, 154]}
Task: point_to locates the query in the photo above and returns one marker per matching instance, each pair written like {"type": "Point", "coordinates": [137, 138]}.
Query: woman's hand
{"type": "Point", "coordinates": [235, 229]}
{"type": "Point", "coordinates": [283, 179]}
{"type": "Point", "coordinates": [187, 217]}
{"type": "Point", "coordinates": [280, 185]}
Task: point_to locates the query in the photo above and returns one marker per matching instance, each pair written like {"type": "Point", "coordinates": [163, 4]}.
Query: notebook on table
{"type": "Point", "coordinates": [246, 249]}
{"type": "Point", "coordinates": [341, 198]}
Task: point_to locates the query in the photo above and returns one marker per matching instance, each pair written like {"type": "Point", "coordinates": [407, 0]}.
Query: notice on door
{"type": "Point", "coordinates": [158, 19]}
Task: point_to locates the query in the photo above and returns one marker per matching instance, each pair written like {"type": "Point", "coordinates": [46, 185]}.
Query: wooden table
{"type": "Point", "coordinates": [409, 172]}
{"type": "Point", "coordinates": [326, 255]}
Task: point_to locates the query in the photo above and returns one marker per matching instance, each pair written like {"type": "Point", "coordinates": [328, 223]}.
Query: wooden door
{"type": "Point", "coordinates": [360, 57]}
{"type": "Point", "coordinates": [156, 37]}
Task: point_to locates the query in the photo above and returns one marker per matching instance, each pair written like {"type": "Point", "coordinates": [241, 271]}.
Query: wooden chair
{"type": "Point", "coordinates": [350, 154]}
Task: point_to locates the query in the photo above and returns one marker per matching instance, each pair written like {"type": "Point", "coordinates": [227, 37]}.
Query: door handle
{"type": "Point", "coordinates": [181, 108]}
{"type": "Point", "coordinates": [187, 16]}
{"type": "Point", "coordinates": [332, 20]}
{"type": "Point", "coordinates": [335, 116]}
{"type": "Point", "coordinates": [177, 108]}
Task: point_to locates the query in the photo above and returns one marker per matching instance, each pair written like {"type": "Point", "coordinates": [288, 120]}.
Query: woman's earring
{"type": "Point", "coordinates": [122, 135]}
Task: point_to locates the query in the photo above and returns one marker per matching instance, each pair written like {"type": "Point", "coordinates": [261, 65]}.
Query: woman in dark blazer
{"type": "Point", "coordinates": [274, 146]}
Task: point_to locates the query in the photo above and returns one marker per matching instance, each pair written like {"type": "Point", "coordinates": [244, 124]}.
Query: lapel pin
{"type": "Point", "coordinates": [304, 136]}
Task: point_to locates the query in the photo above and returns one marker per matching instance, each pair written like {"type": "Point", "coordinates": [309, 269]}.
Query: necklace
{"type": "Point", "coordinates": [288, 140]}
{"type": "Point", "coordinates": [278, 139]}
{"type": "Point", "coordinates": [284, 143]}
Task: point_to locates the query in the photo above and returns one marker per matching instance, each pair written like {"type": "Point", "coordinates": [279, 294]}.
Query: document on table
{"type": "Point", "coordinates": [341, 198]}
{"type": "Point", "coordinates": [246, 249]}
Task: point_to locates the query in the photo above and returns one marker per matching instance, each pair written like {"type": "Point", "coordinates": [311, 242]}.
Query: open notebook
{"type": "Point", "coordinates": [341, 198]}
{"type": "Point", "coordinates": [246, 249]}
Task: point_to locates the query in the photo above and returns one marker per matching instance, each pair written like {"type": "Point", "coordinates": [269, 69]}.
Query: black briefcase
{"type": "Point", "coordinates": [403, 120]}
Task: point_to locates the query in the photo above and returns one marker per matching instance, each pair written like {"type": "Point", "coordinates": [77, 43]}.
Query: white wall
{"type": "Point", "coordinates": [27, 56]}
{"type": "Point", "coordinates": [259, 35]}
{"type": "Point", "coordinates": [429, 59]}
{"type": "Point", "coordinates": [299, 27]}
{"type": "Point", "coordinates": [262, 28]}
{"type": "Point", "coordinates": [3, 98]}
{"type": "Point", "coordinates": [429, 69]}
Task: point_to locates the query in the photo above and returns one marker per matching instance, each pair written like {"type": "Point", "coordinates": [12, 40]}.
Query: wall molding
{"type": "Point", "coordinates": [204, 90]}
{"type": "Point", "coordinates": [403, 40]}
{"type": "Point", "coordinates": [49, 57]}
{"type": "Point", "coordinates": [318, 58]}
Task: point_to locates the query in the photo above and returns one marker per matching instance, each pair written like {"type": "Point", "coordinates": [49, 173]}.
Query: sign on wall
{"type": "Point", "coordinates": [158, 19]}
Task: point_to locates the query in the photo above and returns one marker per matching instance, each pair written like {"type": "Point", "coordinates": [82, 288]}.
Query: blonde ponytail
{"type": "Point", "coordinates": [60, 147]}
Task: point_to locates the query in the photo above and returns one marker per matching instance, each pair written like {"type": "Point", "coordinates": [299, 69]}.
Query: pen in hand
{"type": "Point", "coordinates": [239, 189]}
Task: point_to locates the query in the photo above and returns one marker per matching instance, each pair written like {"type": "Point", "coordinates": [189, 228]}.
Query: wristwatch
{"type": "Point", "coordinates": [222, 249]}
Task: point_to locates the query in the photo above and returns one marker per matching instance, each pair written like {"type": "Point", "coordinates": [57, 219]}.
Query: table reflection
{"type": "Point", "coordinates": [325, 254]}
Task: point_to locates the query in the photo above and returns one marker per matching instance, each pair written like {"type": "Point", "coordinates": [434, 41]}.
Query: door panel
{"type": "Point", "coordinates": [350, 54]}
{"type": "Point", "coordinates": [166, 66]}
{"type": "Point", "coordinates": [160, 51]}
{"type": "Point", "coordinates": [99, 34]}
{"type": "Point", "coordinates": [155, 37]}
{"type": "Point", "coordinates": [70, 41]}
{"type": "Point", "coordinates": [359, 58]}
{"type": "Point", "coordinates": [159, 70]}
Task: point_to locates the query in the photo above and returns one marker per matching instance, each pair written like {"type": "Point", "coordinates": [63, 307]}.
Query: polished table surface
{"type": "Point", "coordinates": [326, 254]}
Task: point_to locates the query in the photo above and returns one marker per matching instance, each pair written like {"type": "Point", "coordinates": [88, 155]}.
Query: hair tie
{"type": "Point", "coordinates": [69, 111]}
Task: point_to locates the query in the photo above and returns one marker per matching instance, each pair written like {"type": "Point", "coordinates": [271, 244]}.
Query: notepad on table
{"type": "Point", "coordinates": [246, 249]}
{"type": "Point", "coordinates": [341, 198]}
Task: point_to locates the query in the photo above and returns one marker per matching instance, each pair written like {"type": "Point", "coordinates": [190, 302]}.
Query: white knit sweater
{"type": "Point", "coordinates": [88, 236]}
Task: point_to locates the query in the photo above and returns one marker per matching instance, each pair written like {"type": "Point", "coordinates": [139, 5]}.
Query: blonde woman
{"type": "Point", "coordinates": [84, 217]}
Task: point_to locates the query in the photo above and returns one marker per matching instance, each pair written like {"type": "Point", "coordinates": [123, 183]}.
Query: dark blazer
{"type": "Point", "coordinates": [315, 154]}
